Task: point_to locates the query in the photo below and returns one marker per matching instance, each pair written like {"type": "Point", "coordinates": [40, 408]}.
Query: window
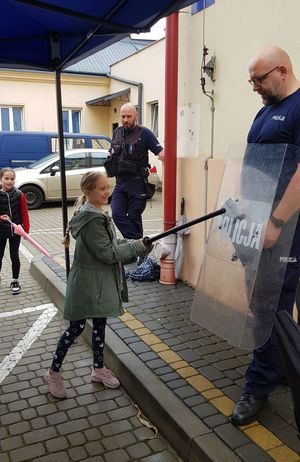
{"type": "Point", "coordinates": [97, 159]}
{"type": "Point", "coordinates": [201, 4]}
{"type": "Point", "coordinates": [11, 118]}
{"type": "Point", "coordinates": [97, 143]}
{"type": "Point", "coordinates": [69, 143]}
{"type": "Point", "coordinates": [72, 162]}
{"type": "Point", "coordinates": [154, 118]}
{"type": "Point", "coordinates": [76, 161]}
{"type": "Point", "coordinates": [71, 120]}
{"type": "Point", "coordinates": [80, 143]}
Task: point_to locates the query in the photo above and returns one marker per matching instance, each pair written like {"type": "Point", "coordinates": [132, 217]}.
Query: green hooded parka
{"type": "Point", "coordinates": [96, 286]}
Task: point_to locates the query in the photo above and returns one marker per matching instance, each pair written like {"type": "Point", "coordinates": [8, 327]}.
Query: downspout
{"type": "Point", "coordinates": [211, 154]}
{"type": "Point", "coordinates": [140, 93]}
{"type": "Point", "coordinates": [167, 266]}
{"type": "Point", "coordinates": [209, 69]}
{"type": "Point", "coordinates": [171, 98]}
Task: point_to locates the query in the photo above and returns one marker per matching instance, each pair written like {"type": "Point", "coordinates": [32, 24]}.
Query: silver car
{"type": "Point", "coordinates": [40, 181]}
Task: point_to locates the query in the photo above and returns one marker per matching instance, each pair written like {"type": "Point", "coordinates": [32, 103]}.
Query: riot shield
{"type": "Point", "coordinates": [240, 282]}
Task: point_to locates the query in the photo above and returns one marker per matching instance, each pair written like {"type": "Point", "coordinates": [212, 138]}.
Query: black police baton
{"type": "Point", "coordinates": [149, 240]}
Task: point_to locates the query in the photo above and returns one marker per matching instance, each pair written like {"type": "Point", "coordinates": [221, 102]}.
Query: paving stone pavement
{"type": "Point", "coordinates": [93, 424]}
{"type": "Point", "coordinates": [183, 377]}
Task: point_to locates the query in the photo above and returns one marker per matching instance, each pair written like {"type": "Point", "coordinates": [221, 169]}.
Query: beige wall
{"type": "Point", "coordinates": [35, 91]}
{"type": "Point", "coordinates": [234, 32]}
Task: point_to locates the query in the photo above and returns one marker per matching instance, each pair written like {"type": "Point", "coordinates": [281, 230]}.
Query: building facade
{"type": "Point", "coordinates": [216, 104]}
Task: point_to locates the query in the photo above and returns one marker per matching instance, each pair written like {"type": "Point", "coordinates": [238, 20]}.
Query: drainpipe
{"type": "Point", "coordinates": [140, 93]}
{"type": "Point", "coordinates": [171, 89]}
{"type": "Point", "coordinates": [167, 274]}
{"type": "Point", "coordinates": [210, 95]}
{"type": "Point", "coordinates": [211, 156]}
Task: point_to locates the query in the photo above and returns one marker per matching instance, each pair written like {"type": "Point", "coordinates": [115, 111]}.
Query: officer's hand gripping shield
{"type": "Point", "coordinates": [240, 281]}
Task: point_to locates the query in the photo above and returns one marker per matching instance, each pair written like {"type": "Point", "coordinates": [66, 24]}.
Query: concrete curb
{"type": "Point", "coordinates": [192, 439]}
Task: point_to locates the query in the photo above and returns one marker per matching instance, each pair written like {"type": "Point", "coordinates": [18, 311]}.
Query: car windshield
{"type": "Point", "coordinates": [44, 160]}
{"type": "Point", "coordinates": [98, 143]}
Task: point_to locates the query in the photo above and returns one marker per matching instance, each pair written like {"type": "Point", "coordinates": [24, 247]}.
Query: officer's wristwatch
{"type": "Point", "coordinates": [277, 221]}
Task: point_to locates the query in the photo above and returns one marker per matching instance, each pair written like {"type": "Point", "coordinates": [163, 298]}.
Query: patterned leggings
{"type": "Point", "coordinates": [74, 330]}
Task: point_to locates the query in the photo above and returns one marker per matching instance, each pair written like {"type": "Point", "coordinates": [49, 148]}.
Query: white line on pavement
{"type": "Point", "coordinates": [157, 231]}
{"type": "Point", "coordinates": [151, 219]}
{"type": "Point", "coordinates": [30, 309]}
{"type": "Point", "coordinates": [28, 255]}
{"type": "Point", "coordinates": [10, 361]}
{"type": "Point", "coordinates": [45, 230]}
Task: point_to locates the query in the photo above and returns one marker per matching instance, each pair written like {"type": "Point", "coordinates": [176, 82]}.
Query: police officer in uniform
{"type": "Point", "coordinates": [272, 77]}
{"type": "Point", "coordinates": [129, 163]}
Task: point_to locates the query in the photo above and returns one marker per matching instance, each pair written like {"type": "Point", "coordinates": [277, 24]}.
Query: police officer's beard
{"type": "Point", "coordinates": [269, 99]}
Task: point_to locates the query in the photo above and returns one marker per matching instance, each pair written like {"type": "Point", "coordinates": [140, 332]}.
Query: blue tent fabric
{"type": "Point", "coordinates": [54, 34]}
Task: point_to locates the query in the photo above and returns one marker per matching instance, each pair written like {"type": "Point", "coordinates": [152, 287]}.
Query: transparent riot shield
{"type": "Point", "coordinates": [240, 281]}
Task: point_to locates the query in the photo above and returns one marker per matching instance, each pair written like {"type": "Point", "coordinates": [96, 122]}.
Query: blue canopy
{"type": "Point", "coordinates": [51, 35]}
{"type": "Point", "coordinates": [54, 34]}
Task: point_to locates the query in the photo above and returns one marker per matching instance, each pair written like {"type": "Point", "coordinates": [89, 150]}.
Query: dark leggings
{"type": "Point", "coordinates": [14, 244]}
{"type": "Point", "coordinates": [74, 330]}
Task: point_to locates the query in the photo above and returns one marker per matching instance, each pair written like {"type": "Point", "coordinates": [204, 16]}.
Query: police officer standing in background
{"type": "Point", "coordinates": [129, 163]}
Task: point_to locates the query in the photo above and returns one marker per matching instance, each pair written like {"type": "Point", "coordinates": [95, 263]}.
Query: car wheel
{"type": "Point", "coordinates": [34, 196]}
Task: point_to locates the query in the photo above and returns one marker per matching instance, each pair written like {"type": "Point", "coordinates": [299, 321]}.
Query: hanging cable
{"type": "Point", "coordinates": [209, 69]}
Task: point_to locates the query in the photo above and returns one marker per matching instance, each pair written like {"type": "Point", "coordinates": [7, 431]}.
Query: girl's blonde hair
{"type": "Point", "coordinates": [87, 184]}
{"type": "Point", "coordinates": [6, 169]}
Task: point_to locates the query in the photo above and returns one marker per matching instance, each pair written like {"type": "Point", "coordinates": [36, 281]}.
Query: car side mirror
{"type": "Point", "coordinates": [54, 170]}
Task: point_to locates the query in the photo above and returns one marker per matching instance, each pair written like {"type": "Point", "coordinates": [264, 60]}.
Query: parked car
{"type": "Point", "coordinates": [40, 181]}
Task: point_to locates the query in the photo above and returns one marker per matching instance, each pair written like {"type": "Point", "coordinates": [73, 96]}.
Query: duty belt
{"type": "Point", "coordinates": [128, 178]}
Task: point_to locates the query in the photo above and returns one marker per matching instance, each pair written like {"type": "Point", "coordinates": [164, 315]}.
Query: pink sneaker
{"type": "Point", "coordinates": [55, 383]}
{"type": "Point", "coordinates": [106, 377]}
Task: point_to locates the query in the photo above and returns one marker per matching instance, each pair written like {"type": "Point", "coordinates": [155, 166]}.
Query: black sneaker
{"type": "Point", "coordinates": [15, 287]}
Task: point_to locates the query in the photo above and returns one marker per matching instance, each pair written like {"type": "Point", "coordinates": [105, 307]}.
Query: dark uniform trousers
{"type": "Point", "coordinates": [128, 202]}
{"type": "Point", "coordinates": [266, 368]}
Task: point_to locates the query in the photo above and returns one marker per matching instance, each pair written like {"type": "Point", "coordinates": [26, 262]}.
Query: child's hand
{"type": "Point", "coordinates": [4, 218]}
{"type": "Point", "coordinates": [147, 247]}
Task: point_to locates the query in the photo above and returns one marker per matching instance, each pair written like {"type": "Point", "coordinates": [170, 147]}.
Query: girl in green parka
{"type": "Point", "coordinates": [95, 287]}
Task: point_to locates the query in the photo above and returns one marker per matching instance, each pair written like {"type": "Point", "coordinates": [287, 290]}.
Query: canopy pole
{"type": "Point", "coordinates": [62, 163]}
